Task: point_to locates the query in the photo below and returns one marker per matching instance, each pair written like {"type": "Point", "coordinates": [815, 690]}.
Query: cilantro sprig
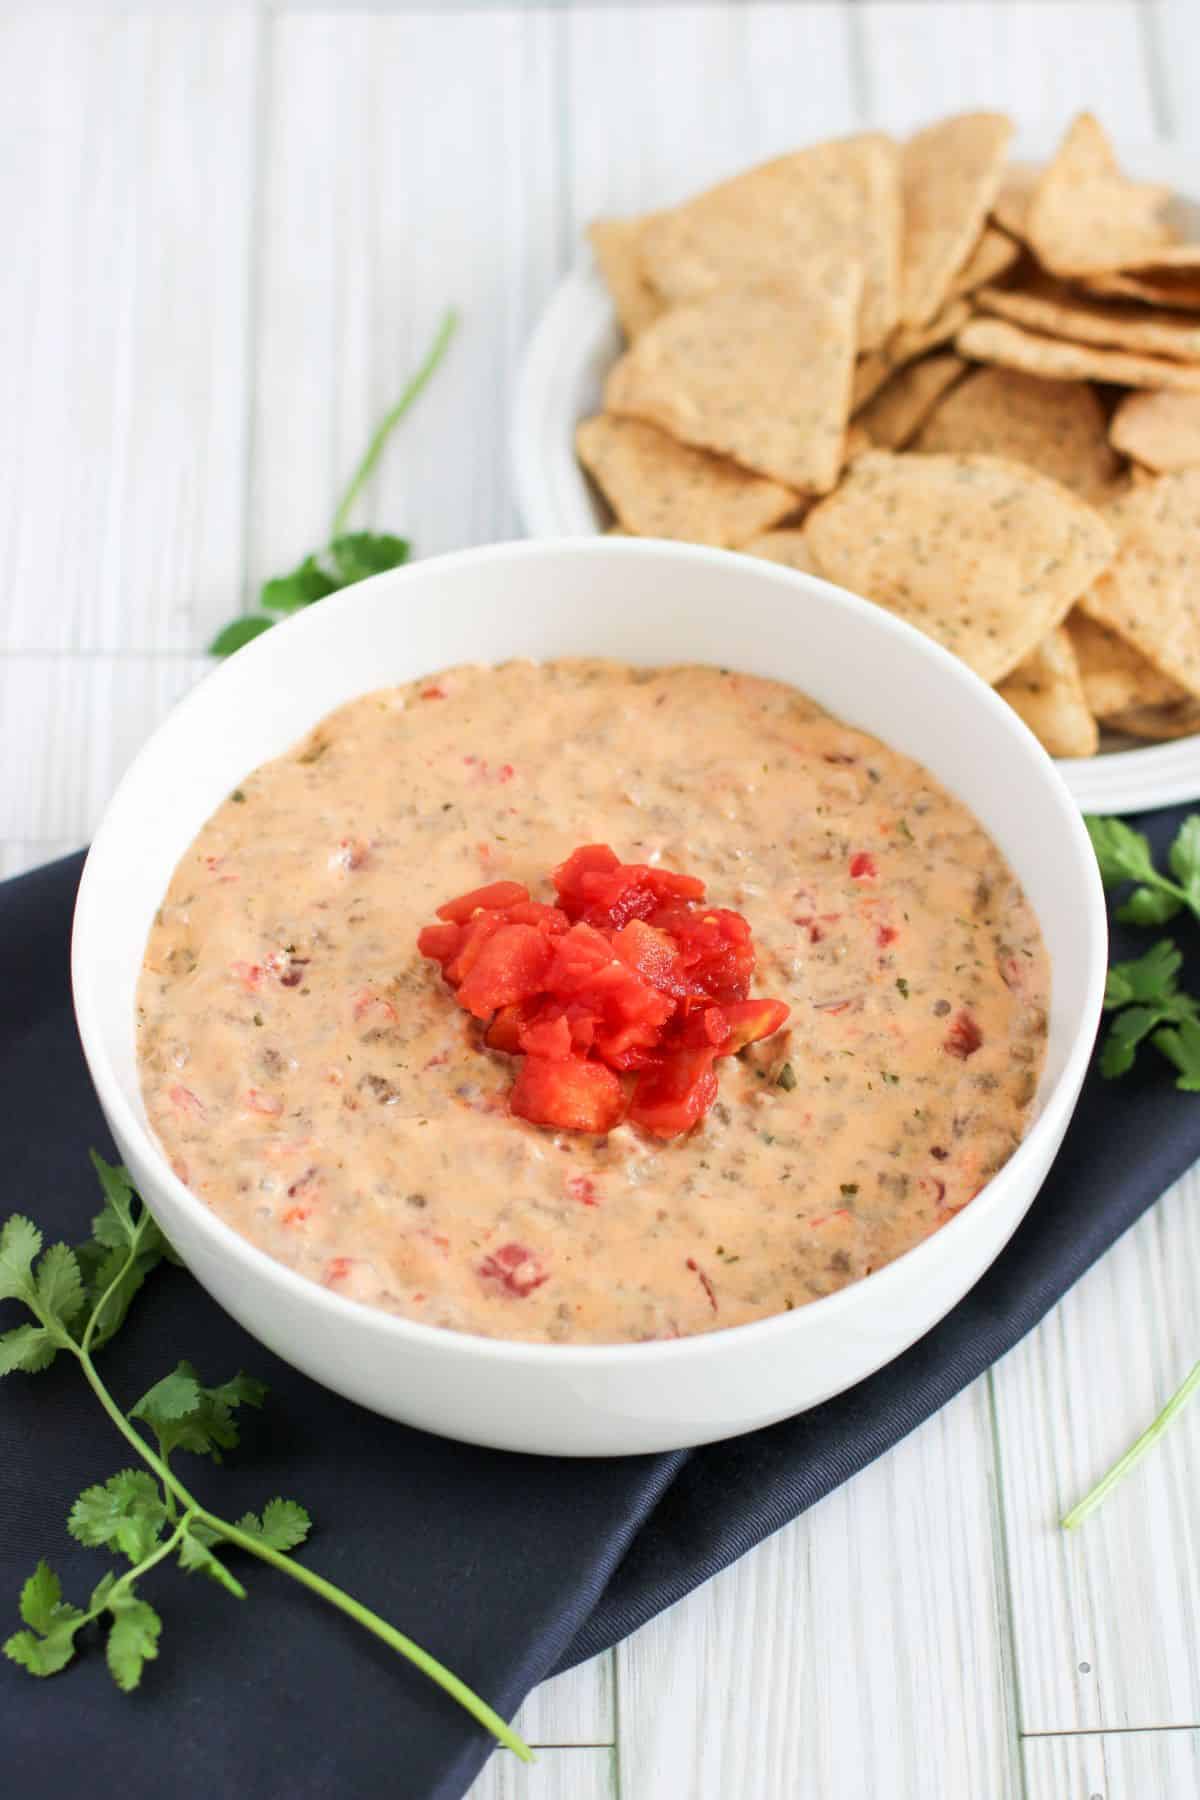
{"type": "Point", "coordinates": [1147, 1004]}
{"type": "Point", "coordinates": [349, 556]}
{"type": "Point", "coordinates": [78, 1299]}
{"type": "Point", "coordinates": [1144, 994]}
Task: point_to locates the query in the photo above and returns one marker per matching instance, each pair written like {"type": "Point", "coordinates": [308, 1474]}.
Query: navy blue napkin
{"type": "Point", "coordinates": [506, 1567]}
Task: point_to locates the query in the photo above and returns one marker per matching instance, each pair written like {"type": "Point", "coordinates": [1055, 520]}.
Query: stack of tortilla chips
{"type": "Point", "coordinates": [966, 389]}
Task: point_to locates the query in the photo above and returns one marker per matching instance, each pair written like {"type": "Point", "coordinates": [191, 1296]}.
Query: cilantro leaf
{"type": "Point", "coordinates": [133, 1638]}
{"type": "Point", "coordinates": [1149, 906]}
{"type": "Point", "coordinates": [125, 1513]}
{"type": "Point", "coordinates": [1183, 859]}
{"type": "Point", "coordinates": [1122, 853]}
{"type": "Point", "coordinates": [49, 1643]}
{"type": "Point", "coordinates": [30, 1348]}
{"type": "Point", "coordinates": [184, 1415]}
{"type": "Point", "coordinates": [305, 584]}
{"type": "Point", "coordinates": [1147, 978]}
{"type": "Point", "coordinates": [59, 1286]}
{"type": "Point", "coordinates": [283, 1525]}
{"type": "Point", "coordinates": [1129, 1029]}
{"type": "Point", "coordinates": [20, 1241]}
{"type": "Point", "coordinates": [114, 1224]}
{"type": "Point", "coordinates": [196, 1557]}
{"type": "Point", "coordinates": [1181, 1045]}
{"type": "Point", "coordinates": [238, 632]}
{"type": "Point", "coordinates": [359, 554]}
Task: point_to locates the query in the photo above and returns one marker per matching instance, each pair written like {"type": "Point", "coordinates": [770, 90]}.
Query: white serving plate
{"type": "Point", "coordinates": [577, 340]}
{"type": "Point", "coordinates": [649, 603]}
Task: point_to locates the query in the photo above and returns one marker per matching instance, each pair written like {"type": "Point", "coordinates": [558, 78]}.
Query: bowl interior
{"type": "Point", "coordinates": [641, 602]}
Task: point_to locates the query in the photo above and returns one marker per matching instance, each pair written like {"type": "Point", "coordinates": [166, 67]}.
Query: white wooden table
{"type": "Point", "coordinates": [226, 240]}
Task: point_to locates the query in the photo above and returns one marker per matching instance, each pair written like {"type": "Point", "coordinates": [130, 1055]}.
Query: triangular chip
{"type": "Point", "coordinates": [1055, 427]}
{"type": "Point", "coordinates": [615, 246]}
{"type": "Point", "coordinates": [1047, 692]}
{"type": "Point", "coordinates": [1161, 431]}
{"type": "Point", "coordinates": [996, 341]}
{"type": "Point", "coordinates": [1085, 216]}
{"type": "Point", "coordinates": [1149, 594]}
{"type": "Point", "coordinates": [1050, 307]}
{"type": "Point", "coordinates": [763, 228]}
{"type": "Point", "coordinates": [1115, 676]}
{"type": "Point", "coordinates": [893, 418]}
{"type": "Point", "coordinates": [1174, 284]}
{"type": "Point", "coordinates": [905, 344]}
{"type": "Point", "coordinates": [994, 255]}
{"type": "Point", "coordinates": [1010, 208]}
{"type": "Point", "coordinates": [1159, 722]}
{"type": "Point", "coordinates": [659, 488]}
{"type": "Point", "coordinates": [762, 379]}
{"type": "Point", "coordinates": [983, 555]}
{"type": "Point", "coordinates": [788, 547]}
{"type": "Point", "coordinates": [950, 174]}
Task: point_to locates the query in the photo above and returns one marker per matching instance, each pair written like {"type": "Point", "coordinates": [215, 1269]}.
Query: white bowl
{"type": "Point", "coordinates": [648, 603]}
{"type": "Point", "coordinates": [575, 343]}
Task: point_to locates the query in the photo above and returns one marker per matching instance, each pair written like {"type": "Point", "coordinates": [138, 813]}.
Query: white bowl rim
{"type": "Point", "coordinates": [395, 1327]}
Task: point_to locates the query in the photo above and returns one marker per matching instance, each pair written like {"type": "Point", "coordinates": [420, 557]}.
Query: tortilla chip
{"type": "Point", "coordinates": [996, 341]}
{"type": "Point", "coordinates": [906, 343]}
{"type": "Point", "coordinates": [788, 547]}
{"type": "Point", "coordinates": [1149, 594]}
{"type": "Point", "coordinates": [899, 410]}
{"type": "Point", "coordinates": [857, 442]}
{"type": "Point", "coordinates": [659, 488]}
{"type": "Point", "coordinates": [1010, 209]}
{"type": "Point", "coordinates": [1055, 427]}
{"type": "Point", "coordinates": [983, 555]}
{"type": "Point", "coordinates": [950, 175]}
{"type": "Point", "coordinates": [1049, 307]}
{"type": "Point", "coordinates": [762, 379]}
{"type": "Point", "coordinates": [1176, 289]}
{"type": "Point", "coordinates": [763, 228]}
{"type": "Point", "coordinates": [993, 256]}
{"type": "Point", "coordinates": [1085, 217]}
{"type": "Point", "coordinates": [1115, 676]}
{"type": "Point", "coordinates": [1160, 431]}
{"type": "Point", "coordinates": [615, 246]}
{"type": "Point", "coordinates": [1159, 722]}
{"type": "Point", "coordinates": [1048, 694]}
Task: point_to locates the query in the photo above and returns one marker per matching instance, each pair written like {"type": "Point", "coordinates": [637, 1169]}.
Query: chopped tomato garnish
{"type": "Point", "coordinates": [863, 866]}
{"type": "Point", "coordinates": [517, 1269]}
{"type": "Point", "coordinates": [576, 1095]}
{"type": "Point", "coordinates": [963, 1038]}
{"type": "Point", "coordinates": [493, 898]}
{"type": "Point", "coordinates": [630, 974]}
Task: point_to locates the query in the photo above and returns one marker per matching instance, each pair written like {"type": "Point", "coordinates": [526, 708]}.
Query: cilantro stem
{"type": "Point", "coordinates": [354, 1609]}
{"type": "Point", "coordinates": [1136, 1451]}
{"type": "Point", "coordinates": [387, 425]}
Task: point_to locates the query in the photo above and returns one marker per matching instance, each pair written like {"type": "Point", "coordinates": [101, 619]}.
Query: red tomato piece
{"type": "Point", "coordinates": [574, 1095]}
{"type": "Point", "coordinates": [671, 1097]}
{"type": "Point", "coordinates": [493, 898]}
{"type": "Point", "coordinates": [750, 1020]}
{"type": "Point", "coordinates": [550, 919]}
{"type": "Point", "coordinates": [439, 942]}
{"type": "Point", "coordinates": [546, 1037]}
{"type": "Point", "coordinates": [510, 966]}
{"type": "Point", "coordinates": [863, 866]}
{"type": "Point", "coordinates": [517, 1269]}
{"type": "Point", "coordinates": [964, 1037]}
{"type": "Point", "coordinates": [654, 955]}
{"type": "Point", "coordinates": [502, 1033]}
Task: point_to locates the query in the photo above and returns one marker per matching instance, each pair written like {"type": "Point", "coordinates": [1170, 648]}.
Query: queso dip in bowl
{"type": "Point", "coordinates": [335, 1129]}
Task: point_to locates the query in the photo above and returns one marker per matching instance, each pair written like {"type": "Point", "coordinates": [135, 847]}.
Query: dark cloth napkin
{"type": "Point", "coordinates": [507, 1567]}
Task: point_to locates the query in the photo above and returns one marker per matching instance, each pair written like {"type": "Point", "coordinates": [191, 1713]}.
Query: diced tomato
{"type": "Point", "coordinates": [501, 1034]}
{"type": "Point", "coordinates": [439, 942]}
{"type": "Point", "coordinates": [576, 1095]}
{"type": "Point", "coordinates": [492, 898]}
{"type": "Point", "coordinates": [750, 1020]}
{"type": "Point", "coordinates": [509, 967]}
{"type": "Point", "coordinates": [863, 866]}
{"type": "Point", "coordinates": [517, 1269]}
{"type": "Point", "coordinates": [474, 935]}
{"type": "Point", "coordinates": [672, 1097]}
{"type": "Point", "coordinates": [583, 1189]}
{"type": "Point", "coordinates": [550, 919]}
{"type": "Point", "coordinates": [653, 955]}
{"type": "Point", "coordinates": [963, 1038]}
{"type": "Point", "coordinates": [546, 1037]}
{"type": "Point", "coordinates": [706, 1025]}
